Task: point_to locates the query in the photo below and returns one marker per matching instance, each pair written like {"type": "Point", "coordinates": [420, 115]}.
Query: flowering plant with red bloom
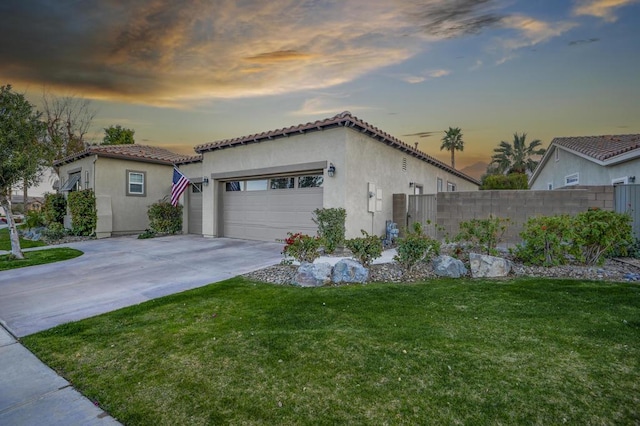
{"type": "Point", "coordinates": [302, 247]}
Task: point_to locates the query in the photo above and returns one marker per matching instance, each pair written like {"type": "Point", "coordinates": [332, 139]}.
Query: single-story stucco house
{"type": "Point", "coordinates": [588, 161]}
{"type": "Point", "coordinates": [126, 180]}
{"type": "Point", "coordinates": [264, 185]}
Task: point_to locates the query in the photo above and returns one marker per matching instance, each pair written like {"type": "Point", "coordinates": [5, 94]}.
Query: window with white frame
{"type": "Point", "coordinates": [136, 183]}
{"type": "Point", "coordinates": [572, 179]}
{"type": "Point", "coordinates": [451, 187]}
{"type": "Point", "coordinates": [439, 185]}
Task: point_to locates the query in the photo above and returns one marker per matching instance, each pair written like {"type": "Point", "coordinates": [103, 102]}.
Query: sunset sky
{"type": "Point", "coordinates": [183, 73]}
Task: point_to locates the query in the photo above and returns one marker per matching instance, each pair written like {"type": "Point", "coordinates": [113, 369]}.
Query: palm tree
{"type": "Point", "coordinates": [516, 157]}
{"type": "Point", "coordinates": [452, 141]}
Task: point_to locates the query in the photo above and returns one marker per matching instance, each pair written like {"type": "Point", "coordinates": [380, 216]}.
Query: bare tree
{"type": "Point", "coordinates": [68, 121]}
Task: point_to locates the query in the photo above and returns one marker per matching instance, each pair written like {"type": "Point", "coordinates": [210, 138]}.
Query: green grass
{"type": "Point", "coordinates": [39, 257]}
{"type": "Point", "coordinates": [526, 351]}
{"type": "Point", "coordinates": [5, 242]}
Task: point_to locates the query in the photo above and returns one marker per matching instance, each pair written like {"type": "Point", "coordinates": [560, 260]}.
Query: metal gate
{"type": "Point", "coordinates": [423, 209]}
{"type": "Point", "coordinates": [627, 200]}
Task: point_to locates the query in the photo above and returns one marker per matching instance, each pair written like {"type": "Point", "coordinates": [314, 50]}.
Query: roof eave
{"type": "Point", "coordinates": [342, 120]}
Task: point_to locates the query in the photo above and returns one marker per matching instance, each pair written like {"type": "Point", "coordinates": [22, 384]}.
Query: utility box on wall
{"type": "Point", "coordinates": [371, 193]}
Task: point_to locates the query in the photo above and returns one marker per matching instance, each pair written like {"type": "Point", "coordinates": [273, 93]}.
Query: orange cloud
{"type": "Point", "coordinates": [604, 9]}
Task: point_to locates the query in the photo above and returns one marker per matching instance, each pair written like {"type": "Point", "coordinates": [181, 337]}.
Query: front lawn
{"type": "Point", "coordinates": [39, 257]}
{"type": "Point", "coordinates": [526, 351]}
{"type": "Point", "coordinates": [5, 242]}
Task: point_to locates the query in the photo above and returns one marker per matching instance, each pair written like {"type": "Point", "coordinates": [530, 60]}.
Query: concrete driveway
{"type": "Point", "coordinates": [118, 272]}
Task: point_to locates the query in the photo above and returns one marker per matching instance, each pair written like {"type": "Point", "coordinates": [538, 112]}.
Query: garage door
{"type": "Point", "coordinates": [266, 209]}
{"type": "Point", "coordinates": [195, 209]}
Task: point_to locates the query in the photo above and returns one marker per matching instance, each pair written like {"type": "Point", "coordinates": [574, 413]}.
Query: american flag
{"type": "Point", "coordinates": [180, 183]}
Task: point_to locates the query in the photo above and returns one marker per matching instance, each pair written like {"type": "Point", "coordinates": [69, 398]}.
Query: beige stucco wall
{"type": "Point", "coordinates": [358, 160]}
{"type": "Point", "coordinates": [370, 161]}
{"type": "Point", "coordinates": [108, 179]}
{"type": "Point", "coordinates": [194, 172]}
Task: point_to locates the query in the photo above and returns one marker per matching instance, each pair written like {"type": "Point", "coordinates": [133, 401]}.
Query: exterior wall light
{"type": "Point", "coordinates": [205, 181]}
{"type": "Point", "coordinates": [331, 170]}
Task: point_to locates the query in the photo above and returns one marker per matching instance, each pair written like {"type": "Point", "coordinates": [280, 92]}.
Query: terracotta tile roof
{"type": "Point", "coordinates": [344, 119]}
{"type": "Point", "coordinates": [600, 147]}
{"type": "Point", "coordinates": [144, 153]}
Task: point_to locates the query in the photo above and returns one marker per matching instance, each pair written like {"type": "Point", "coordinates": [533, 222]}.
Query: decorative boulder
{"type": "Point", "coordinates": [313, 274]}
{"type": "Point", "coordinates": [349, 271]}
{"type": "Point", "coordinates": [447, 266]}
{"type": "Point", "coordinates": [484, 266]}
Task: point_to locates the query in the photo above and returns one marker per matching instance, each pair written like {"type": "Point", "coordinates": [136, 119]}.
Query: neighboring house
{"type": "Point", "coordinates": [126, 180]}
{"type": "Point", "coordinates": [262, 186]}
{"type": "Point", "coordinates": [32, 204]}
{"type": "Point", "coordinates": [588, 161]}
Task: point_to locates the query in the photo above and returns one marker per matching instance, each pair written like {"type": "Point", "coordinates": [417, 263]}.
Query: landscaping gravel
{"type": "Point", "coordinates": [612, 270]}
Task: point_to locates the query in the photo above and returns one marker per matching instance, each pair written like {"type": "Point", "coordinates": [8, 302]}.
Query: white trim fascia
{"type": "Point", "coordinates": [629, 155]}
{"type": "Point", "coordinates": [543, 161]}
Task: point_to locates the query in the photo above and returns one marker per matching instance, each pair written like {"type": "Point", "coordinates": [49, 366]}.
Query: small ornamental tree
{"type": "Point", "coordinates": [165, 218]}
{"type": "Point", "coordinates": [22, 152]}
{"type": "Point", "coordinates": [82, 205]}
{"type": "Point", "coordinates": [331, 227]}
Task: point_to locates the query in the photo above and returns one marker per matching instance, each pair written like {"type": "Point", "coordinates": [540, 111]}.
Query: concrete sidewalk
{"type": "Point", "coordinates": [33, 394]}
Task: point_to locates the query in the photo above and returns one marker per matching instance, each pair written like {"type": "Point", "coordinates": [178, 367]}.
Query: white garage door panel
{"type": "Point", "coordinates": [269, 215]}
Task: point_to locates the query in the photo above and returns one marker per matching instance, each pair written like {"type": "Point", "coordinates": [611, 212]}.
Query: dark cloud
{"type": "Point", "coordinates": [163, 51]}
{"type": "Point", "coordinates": [456, 18]}
{"type": "Point", "coordinates": [579, 42]}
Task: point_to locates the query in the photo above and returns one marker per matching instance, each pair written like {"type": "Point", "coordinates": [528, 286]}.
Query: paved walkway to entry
{"type": "Point", "coordinates": [112, 273]}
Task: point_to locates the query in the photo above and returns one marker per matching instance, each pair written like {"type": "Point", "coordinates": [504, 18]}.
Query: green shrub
{"type": "Point", "coordinates": [34, 219]}
{"type": "Point", "coordinates": [302, 247]}
{"type": "Point", "coordinates": [415, 247]}
{"type": "Point", "coordinates": [54, 209]}
{"type": "Point", "coordinates": [331, 227]}
{"type": "Point", "coordinates": [510, 181]}
{"type": "Point", "coordinates": [82, 205]}
{"type": "Point", "coordinates": [165, 218]}
{"type": "Point", "coordinates": [366, 248]}
{"type": "Point", "coordinates": [546, 240]}
{"type": "Point", "coordinates": [148, 233]}
{"type": "Point", "coordinates": [54, 231]}
{"type": "Point", "coordinates": [483, 233]}
{"type": "Point", "coordinates": [599, 233]}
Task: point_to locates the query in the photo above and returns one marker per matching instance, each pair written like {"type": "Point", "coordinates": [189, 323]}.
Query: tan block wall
{"type": "Point", "coordinates": [517, 206]}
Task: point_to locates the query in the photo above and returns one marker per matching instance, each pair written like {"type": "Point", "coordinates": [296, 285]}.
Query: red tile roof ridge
{"type": "Point", "coordinates": [600, 147]}
{"type": "Point", "coordinates": [130, 151]}
{"type": "Point", "coordinates": [343, 119]}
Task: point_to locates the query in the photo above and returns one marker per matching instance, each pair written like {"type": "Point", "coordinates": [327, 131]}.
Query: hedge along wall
{"type": "Point", "coordinates": [518, 206]}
